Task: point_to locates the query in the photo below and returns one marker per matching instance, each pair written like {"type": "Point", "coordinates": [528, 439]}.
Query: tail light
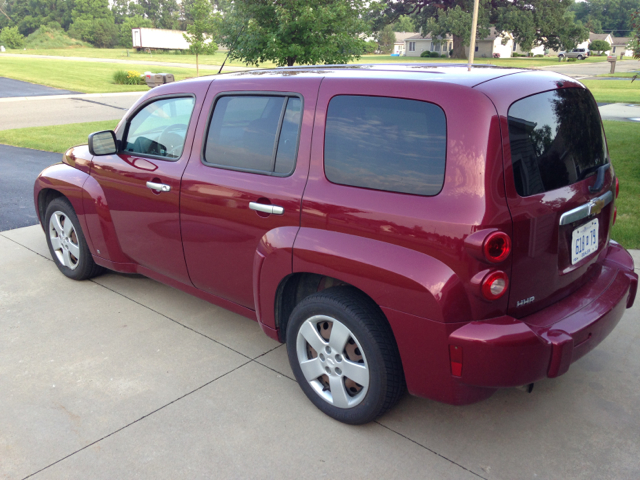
{"type": "Point", "coordinates": [497, 247]}
{"type": "Point", "coordinates": [495, 285]}
{"type": "Point", "coordinates": [617, 187]}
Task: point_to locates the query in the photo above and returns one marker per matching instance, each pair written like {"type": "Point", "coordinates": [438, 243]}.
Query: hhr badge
{"type": "Point", "coordinates": [525, 301]}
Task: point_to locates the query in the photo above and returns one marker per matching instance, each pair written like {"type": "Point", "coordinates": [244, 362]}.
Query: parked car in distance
{"type": "Point", "coordinates": [415, 227]}
{"type": "Point", "coordinates": [579, 53]}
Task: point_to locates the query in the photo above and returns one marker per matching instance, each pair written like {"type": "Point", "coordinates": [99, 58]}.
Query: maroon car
{"type": "Point", "coordinates": [400, 227]}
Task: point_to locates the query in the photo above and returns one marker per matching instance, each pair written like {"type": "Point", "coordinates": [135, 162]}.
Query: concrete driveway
{"type": "Point", "coordinates": [122, 377]}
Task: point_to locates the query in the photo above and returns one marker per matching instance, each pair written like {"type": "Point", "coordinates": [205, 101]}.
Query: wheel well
{"type": "Point", "coordinates": [45, 197]}
{"type": "Point", "coordinates": [298, 286]}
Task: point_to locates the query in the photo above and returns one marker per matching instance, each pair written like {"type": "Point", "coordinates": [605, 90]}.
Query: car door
{"type": "Point", "coordinates": [246, 176]}
{"type": "Point", "coordinates": [141, 183]}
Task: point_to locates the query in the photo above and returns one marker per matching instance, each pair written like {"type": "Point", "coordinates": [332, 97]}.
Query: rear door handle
{"type": "Point", "coordinates": [160, 187]}
{"type": "Point", "coordinates": [261, 207]}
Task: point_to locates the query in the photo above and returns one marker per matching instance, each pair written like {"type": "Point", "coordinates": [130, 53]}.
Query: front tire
{"type": "Point", "coordinates": [67, 243]}
{"type": "Point", "coordinates": [344, 356]}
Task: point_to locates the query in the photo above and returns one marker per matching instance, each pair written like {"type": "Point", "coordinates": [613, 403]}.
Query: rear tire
{"type": "Point", "coordinates": [66, 241]}
{"type": "Point", "coordinates": [344, 355]}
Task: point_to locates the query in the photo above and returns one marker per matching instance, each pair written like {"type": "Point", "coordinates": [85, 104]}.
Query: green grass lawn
{"type": "Point", "coordinates": [218, 57]}
{"type": "Point", "coordinates": [86, 77]}
{"type": "Point", "coordinates": [622, 137]}
{"type": "Point", "coordinates": [130, 54]}
{"type": "Point", "coordinates": [614, 91]}
{"type": "Point", "coordinates": [57, 138]}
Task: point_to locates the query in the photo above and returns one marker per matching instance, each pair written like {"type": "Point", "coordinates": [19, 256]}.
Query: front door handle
{"type": "Point", "coordinates": [160, 187]}
{"type": "Point", "coordinates": [261, 207]}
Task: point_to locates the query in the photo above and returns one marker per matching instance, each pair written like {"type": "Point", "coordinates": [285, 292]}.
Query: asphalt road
{"type": "Point", "coordinates": [581, 70]}
{"type": "Point", "coordinates": [16, 88]}
{"type": "Point", "coordinates": [23, 112]}
{"type": "Point", "coordinates": [20, 167]}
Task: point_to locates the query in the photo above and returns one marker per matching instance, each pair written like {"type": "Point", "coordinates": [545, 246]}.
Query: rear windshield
{"type": "Point", "coordinates": [556, 140]}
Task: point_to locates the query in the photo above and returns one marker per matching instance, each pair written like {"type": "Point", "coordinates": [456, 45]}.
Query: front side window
{"type": "Point", "coordinates": [160, 128]}
{"type": "Point", "coordinates": [385, 143]}
{"type": "Point", "coordinates": [255, 133]}
{"type": "Point", "coordinates": [556, 140]}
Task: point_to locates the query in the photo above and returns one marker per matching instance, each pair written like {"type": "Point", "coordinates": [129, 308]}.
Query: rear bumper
{"type": "Point", "coordinates": [508, 352]}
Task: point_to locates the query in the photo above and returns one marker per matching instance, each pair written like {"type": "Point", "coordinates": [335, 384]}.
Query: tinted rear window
{"type": "Point", "coordinates": [556, 140]}
{"type": "Point", "coordinates": [385, 144]}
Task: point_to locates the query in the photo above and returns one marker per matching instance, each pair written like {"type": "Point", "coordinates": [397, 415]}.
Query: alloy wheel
{"type": "Point", "coordinates": [64, 240]}
{"type": "Point", "coordinates": [332, 361]}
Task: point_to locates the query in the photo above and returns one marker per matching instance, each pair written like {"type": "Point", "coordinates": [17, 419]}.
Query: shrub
{"type": "Point", "coordinates": [128, 77]}
{"type": "Point", "coordinates": [425, 54]}
{"type": "Point", "coordinates": [101, 32]}
{"type": "Point", "coordinates": [571, 59]}
{"type": "Point", "coordinates": [50, 36]}
{"type": "Point", "coordinates": [10, 37]}
{"type": "Point", "coordinates": [496, 55]}
{"type": "Point", "coordinates": [539, 55]}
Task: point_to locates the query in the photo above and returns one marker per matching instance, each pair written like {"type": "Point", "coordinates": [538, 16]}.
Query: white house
{"type": "Point", "coordinates": [399, 46]}
{"type": "Point", "coordinates": [416, 44]}
{"type": "Point", "coordinates": [485, 48]}
{"type": "Point", "coordinates": [598, 36]}
{"type": "Point", "coordinates": [493, 44]}
{"type": "Point", "coordinates": [620, 46]}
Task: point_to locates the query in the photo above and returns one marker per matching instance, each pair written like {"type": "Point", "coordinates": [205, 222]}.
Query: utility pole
{"type": "Point", "coordinates": [474, 27]}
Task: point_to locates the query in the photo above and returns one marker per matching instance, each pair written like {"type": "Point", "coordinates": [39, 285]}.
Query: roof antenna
{"type": "Point", "coordinates": [474, 25]}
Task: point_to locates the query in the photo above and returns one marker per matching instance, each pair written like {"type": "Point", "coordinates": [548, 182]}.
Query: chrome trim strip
{"type": "Point", "coordinates": [586, 210]}
{"type": "Point", "coordinates": [271, 209]}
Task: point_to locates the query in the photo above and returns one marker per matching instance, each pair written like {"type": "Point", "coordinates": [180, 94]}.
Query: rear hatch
{"type": "Point", "coordinates": [562, 205]}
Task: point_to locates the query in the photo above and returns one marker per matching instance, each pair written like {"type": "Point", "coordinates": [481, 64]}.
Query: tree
{"type": "Point", "coordinates": [599, 46]}
{"type": "Point", "coordinates": [404, 24]}
{"type": "Point", "coordinates": [11, 37]}
{"type": "Point", "coordinates": [635, 38]}
{"type": "Point", "coordinates": [610, 15]}
{"type": "Point", "coordinates": [531, 22]}
{"type": "Point", "coordinates": [294, 31]}
{"type": "Point", "coordinates": [200, 33]}
{"type": "Point", "coordinates": [386, 39]}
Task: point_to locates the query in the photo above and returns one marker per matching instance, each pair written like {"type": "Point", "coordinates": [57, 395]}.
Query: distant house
{"type": "Point", "coordinates": [416, 44]}
{"type": "Point", "coordinates": [620, 46]}
{"type": "Point", "coordinates": [399, 46]}
{"type": "Point", "coordinates": [485, 48]}
{"type": "Point", "coordinates": [493, 44]}
{"type": "Point", "coordinates": [597, 36]}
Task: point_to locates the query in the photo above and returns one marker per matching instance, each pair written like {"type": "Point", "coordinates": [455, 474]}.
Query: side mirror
{"type": "Point", "coordinates": [103, 143]}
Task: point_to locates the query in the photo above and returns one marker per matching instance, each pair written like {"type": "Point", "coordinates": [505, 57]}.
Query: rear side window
{"type": "Point", "coordinates": [254, 133]}
{"type": "Point", "coordinates": [384, 143]}
{"type": "Point", "coordinates": [556, 140]}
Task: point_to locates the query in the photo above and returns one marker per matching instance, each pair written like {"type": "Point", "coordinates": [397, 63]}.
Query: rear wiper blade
{"type": "Point", "coordinates": [602, 169]}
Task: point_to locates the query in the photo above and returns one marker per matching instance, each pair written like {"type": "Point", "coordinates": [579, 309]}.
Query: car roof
{"type": "Point", "coordinates": [438, 72]}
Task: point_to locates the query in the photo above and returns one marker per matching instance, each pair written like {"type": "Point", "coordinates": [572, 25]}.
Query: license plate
{"type": "Point", "coordinates": [584, 241]}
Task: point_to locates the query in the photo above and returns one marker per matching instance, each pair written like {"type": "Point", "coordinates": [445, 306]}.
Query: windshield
{"type": "Point", "coordinates": [556, 140]}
